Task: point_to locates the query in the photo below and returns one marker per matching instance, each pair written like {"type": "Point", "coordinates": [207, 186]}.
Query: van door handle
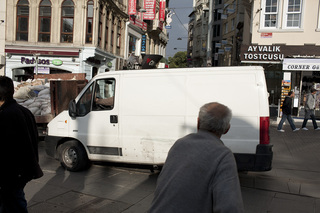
{"type": "Point", "coordinates": [113, 119]}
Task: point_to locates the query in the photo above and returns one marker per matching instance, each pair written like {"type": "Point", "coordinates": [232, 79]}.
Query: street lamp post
{"type": "Point", "coordinates": [210, 33]}
{"type": "Point", "coordinates": [37, 56]}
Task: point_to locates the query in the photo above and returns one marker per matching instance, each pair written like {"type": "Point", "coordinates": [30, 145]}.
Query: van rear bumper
{"type": "Point", "coordinates": [261, 161]}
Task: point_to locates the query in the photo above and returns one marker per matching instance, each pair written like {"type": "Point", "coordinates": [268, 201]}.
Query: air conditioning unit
{"type": "Point", "coordinates": [2, 60]}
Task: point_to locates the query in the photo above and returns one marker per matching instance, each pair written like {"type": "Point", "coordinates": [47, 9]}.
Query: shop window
{"type": "Point", "coordinates": [292, 14]}
{"type": "Point", "coordinates": [132, 44]}
{"type": "Point", "coordinates": [100, 24]}
{"type": "Point", "coordinates": [22, 20]}
{"type": "Point", "coordinates": [67, 18]}
{"type": "Point", "coordinates": [270, 13]}
{"type": "Point", "coordinates": [94, 71]}
{"type": "Point", "coordinates": [107, 30]}
{"type": "Point", "coordinates": [44, 21]}
{"type": "Point", "coordinates": [89, 22]}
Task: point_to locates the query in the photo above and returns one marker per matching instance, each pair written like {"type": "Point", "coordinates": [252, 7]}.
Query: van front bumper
{"type": "Point", "coordinates": [51, 144]}
{"type": "Point", "coordinates": [261, 161]}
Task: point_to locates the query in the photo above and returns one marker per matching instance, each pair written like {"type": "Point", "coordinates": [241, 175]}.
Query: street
{"type": "Point", "coordinates": [293, 185]}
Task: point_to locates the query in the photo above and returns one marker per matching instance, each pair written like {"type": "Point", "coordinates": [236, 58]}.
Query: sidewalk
{"type": "Point", "coordinates": [293, 185]}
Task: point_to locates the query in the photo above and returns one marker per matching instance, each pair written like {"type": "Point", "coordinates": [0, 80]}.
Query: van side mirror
{"type": "Point", "coordinates": [72, 109]}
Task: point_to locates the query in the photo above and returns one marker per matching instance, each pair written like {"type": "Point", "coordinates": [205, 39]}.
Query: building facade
{"type": "Point", "coordinates": [199, 31]}
{"type": "Point", "coordinates": [83, 36]}
{"type": "Point", "coordinates": [2, 35]}
{"type": "Point", "coordinates": [217, 29]}
{"type": "Point", "coordinates": [285, 41]}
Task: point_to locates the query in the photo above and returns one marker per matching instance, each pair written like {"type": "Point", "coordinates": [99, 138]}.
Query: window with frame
{"type": "Point", "coordinates": [217, 16]}
{"type": "Point", "coordinates": [293, 14]}
{"type": "Point", "coordinates": [44, 21]}
{"type": "Point", "coordinates": [100, 24]}
{"type": "Point", "coordinates": [112, 30]}
{"type": "Point", "coordinates": [232, 24]}
{"type": "Point", "coordinates": [270, 15]}
{"type": "Point", "coordinates": [107, 30]}
{"type": "Point", "coordinates": [216, 30]}
{"type": "Point", "coordinates": [89, 22]}
{"type": "Point", "coordinates": [67, 19]}
{"type": "Point", "coordinates": [119, 34]}
{"type": "Point", "coordinates": [22, 20]}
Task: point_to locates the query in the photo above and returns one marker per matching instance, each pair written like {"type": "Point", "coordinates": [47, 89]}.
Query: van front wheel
{"type": "Point", "coordinates": [72, 156]}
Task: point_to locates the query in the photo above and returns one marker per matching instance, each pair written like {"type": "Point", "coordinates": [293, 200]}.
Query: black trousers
{"type": "Point", "coordinates": [13, 200]}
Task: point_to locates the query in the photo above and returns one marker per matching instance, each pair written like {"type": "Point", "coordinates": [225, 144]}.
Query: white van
{"type": "Point", "coordinates": [136, 116]}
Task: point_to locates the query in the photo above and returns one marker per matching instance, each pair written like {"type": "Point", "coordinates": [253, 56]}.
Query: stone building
{"type": "Point", "coordinates": [78, 36]}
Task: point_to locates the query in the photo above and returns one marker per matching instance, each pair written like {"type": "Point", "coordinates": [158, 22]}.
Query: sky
{"type": "Point", "coordinates": [179, 24]}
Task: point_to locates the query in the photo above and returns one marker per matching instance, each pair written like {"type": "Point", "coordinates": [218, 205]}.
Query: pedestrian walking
{"type": "Point", "coordinates": [18, 152]}
{"type": "Point", "coordinates": [200, 173]}
{"type": "Point", "coordinates": [309, 110]}
{"type": "Point", "coordinates": [286, 113]}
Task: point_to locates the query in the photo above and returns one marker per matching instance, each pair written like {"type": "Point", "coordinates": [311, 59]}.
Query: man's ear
{"type": "Point", "coordinates": [227, 130]}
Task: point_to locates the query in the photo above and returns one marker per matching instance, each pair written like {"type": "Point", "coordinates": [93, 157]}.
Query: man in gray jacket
{"type": "Point", "coordinates": [309, 110]}
{"type": "Point", "coordinates": [200, 173]}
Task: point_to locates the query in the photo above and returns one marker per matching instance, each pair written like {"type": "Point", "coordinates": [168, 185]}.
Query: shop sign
{"type": "Point", "coordinates": [143, 44]}
{"type": "Point", "coordinates": [162, 13]}
{"type": "Point", "coordinates": [42, 70]}
{"type": "Point", "coordinates": [227, 49]}
{"type": "Point", "coordinates": [263, 53]}
{"type": "Point", "coordinates": [109, 64]}
{"type": "Point", "coordinates": [220, 51]}
{"type": "Point", "coordinates": [296, 64]}
{"type": "Point", "coordinates": [25, 60]}
{"type": "Point", "coordinates": [150, 7]}
{"type": "Point", "coordinates": [57, 62]}
{"type": "Point", "coordinates": [138, 23]}
{"type": "Point", "coordinates": [266, 35]}
{"type": "Point", "coordinates": [132, 7]}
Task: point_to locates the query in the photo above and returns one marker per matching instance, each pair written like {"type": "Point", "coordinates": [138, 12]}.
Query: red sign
{"type": "Point", "coordinates": [150, 7]}
{"type": "Point", "coordinates": [266, 35]}
{"type": "Point", "coordinates": [162, 13]}
{"type": "Point", "coordinates": [138, 23]}
{"type": "Point", "coordinates": [132, 7]}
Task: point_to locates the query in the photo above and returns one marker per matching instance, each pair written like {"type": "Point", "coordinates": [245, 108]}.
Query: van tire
{"type": "Point", "coordinates": [73, 156]}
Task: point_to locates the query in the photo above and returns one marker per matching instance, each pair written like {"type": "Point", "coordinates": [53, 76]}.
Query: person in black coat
{"type": "Point", "coordinates": [19, 150]}
{"type": "Point", "coordinates": [286, 113]}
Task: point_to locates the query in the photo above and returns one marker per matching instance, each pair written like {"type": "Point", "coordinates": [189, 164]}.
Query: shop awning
{"type": "Point", "coordinates": [301, 64]}
{"type": "Point", "coordinates": [48, 51]}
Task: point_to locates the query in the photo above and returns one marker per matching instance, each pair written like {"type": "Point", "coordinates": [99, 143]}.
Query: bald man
{"type": "Point", "coordinates": [200, 173]}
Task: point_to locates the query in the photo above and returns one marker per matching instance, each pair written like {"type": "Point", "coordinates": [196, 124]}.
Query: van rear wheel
{"type": "Point", "coordinates": [73, 156]}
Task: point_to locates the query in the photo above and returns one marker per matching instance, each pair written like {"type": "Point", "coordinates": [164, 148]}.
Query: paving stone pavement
{"type": "Point", "coordinates": [293, 185]}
